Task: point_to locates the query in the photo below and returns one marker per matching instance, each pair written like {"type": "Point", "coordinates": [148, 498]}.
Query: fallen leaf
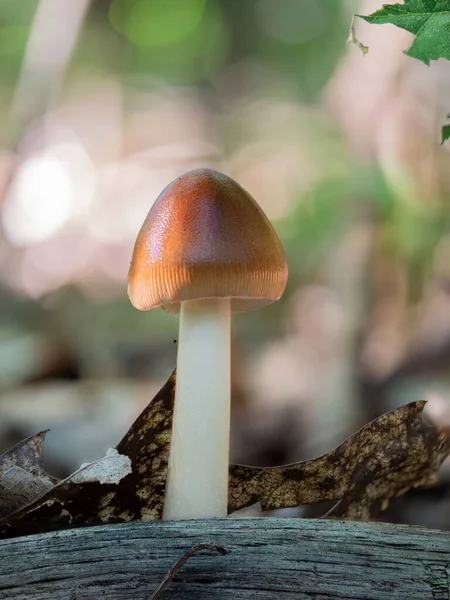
{"type": "Point", "coordinates": [23, 480]}
{"type": "Point", "coordinates": [138, 496]}
{"type": "Point", "coordinates": [383, 460]}
{"type": "Point", "coordinates": [22, 475]}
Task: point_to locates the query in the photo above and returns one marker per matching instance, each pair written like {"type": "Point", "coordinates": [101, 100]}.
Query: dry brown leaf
{"type": "Point", "coordinates": [138, 496]}
{"type": "Point", "coordinates": [383, 460]}
{"type": "Point", "coordinates": [20, 489]}
{"type": "Point", "coordinates": [22, 475]}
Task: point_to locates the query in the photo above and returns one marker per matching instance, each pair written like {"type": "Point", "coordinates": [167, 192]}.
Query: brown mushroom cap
{"type": "Point", "coordinates": [206, 237]}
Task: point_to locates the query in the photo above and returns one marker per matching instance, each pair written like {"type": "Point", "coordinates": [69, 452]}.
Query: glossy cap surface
{"type": "Point", "coordinates": [206, 237]}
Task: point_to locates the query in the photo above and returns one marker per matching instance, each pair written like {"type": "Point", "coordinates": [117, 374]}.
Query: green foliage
{"type": "Point", "coordinates": [445, 133]}
{"type": "Point", "coordinates": [428, 20]}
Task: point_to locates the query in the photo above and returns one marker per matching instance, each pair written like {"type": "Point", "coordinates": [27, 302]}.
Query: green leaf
{"type": "Point", "coordinates": [428, 20]}
{"type": "Point", "coordinates": [445, 133]}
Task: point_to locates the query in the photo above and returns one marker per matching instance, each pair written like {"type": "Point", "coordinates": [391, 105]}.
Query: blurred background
{"type": "Point", "coordinates": [104, 103]}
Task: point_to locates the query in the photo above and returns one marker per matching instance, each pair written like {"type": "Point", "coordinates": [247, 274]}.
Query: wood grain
{"type": "Point", "coordinates": [297, 559]}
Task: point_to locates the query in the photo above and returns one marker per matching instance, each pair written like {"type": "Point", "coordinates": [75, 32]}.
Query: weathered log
{"type": "Point", "coordinates": [299, 559]}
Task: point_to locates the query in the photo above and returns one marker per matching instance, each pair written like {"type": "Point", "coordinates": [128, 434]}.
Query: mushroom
{"type": "Point", "coordinates": [205, 249]}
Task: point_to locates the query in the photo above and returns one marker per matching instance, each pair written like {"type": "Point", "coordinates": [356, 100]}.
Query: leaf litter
{"type": "Point", "coordinates": [386, 458]}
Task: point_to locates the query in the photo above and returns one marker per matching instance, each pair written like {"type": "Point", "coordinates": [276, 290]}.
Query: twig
{"type": "Point", "coordinates": [177, 566]}
{"type": "Point", "coordinates": [352, 39]}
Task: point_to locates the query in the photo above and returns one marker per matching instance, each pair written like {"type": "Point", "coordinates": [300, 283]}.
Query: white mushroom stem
{"type": "Point", "coordinates": [197, 484]}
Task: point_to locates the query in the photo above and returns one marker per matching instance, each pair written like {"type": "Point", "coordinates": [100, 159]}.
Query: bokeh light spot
{"type": "Point", "coordinates": [48, 190]}
{"type": "Point", "coordinates": [151, 23]}
{"type": "Point", "coordinates": [292, 21]}
{"type": "Point", "coordinates": [43, 199]}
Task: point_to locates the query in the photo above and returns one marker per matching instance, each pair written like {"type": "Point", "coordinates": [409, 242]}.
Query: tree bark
{"type": "Point", "coordinates": [299, 559]}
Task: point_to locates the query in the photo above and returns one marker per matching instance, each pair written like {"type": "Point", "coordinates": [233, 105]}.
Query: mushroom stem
{"type": "Point", "coordinates": [197, 483]}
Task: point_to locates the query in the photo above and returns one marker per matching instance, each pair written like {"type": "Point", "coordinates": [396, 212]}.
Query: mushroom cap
{"type": "Point", "coordinates": [206, 237]}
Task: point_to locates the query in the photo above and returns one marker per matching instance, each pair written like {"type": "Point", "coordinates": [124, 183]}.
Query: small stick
{"type": "Point", "coordinates": [352, 39]}
{"type": "Point", "coordinates": [177, 566]}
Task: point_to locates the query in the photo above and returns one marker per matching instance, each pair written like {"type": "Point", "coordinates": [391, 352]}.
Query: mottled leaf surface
{"type": "Point", "coordinates": [22, 474]}
{"type": "Point", "coordinates": [383, 460]}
